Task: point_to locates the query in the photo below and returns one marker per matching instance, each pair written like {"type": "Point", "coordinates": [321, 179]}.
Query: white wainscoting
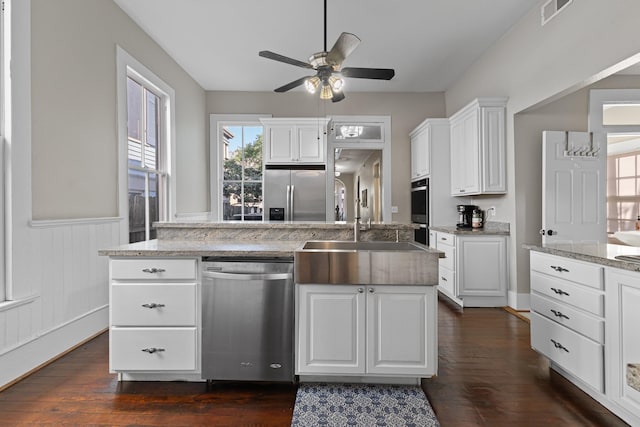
{"type": "Point", "coordinates": [59, 289]}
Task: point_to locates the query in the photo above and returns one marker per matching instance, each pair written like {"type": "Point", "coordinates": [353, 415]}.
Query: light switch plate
{"type": "Point", "coordinates": [394, 209]}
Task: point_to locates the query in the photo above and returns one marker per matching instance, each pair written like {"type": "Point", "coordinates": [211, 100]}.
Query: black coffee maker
{"type": "Point", "coordinates": [465, 212]}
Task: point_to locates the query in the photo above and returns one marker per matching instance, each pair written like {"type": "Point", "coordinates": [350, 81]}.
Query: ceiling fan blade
{"type": "Point", "coordinates": [337, 96]}
{"type": "Point", "coordinates": [277, 57]}
{"type": "Point", "coordinates": [292, 85]}
{"type": "Point", "coordinates": [345, 44]}
{"type": "Point", "coordinates": [368, 73]}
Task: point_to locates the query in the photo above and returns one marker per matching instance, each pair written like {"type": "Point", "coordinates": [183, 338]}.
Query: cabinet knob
{"type": "Point", "coordinates": [360, 290]}
{"type": "Point", "coordinates": [153, 270]}
{"type": "Point", "coordinates": [153, 305]}
{"type": "Point", "coordinates": [152, 350]}
{"type": "Point", "coordinates": [444, 279]}
{"type": "Point", "coordinates": [371, 290]}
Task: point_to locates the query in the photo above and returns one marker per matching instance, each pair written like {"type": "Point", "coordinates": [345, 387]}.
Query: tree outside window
{"type": "Point", "coordinates": [242, 173]}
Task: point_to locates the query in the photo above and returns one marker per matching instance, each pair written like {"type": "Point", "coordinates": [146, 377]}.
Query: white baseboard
{"type": "Point", "coordinates": [29, 356]}
{"type": "Point", "coordinates": [519, 301]}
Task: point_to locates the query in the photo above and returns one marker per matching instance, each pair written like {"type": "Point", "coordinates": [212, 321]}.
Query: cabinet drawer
{"type": "Point", "coordinates": [570, 293]}
{"type": "Point", "coordinates": [570, 350]}
{"type": "Point", "coordinates": [153, 349]}
{"type": "Point", "coordinates": [153, 269]}
{"type": "Point", "coordinates": [153, 304]}
{"type": "Point", "coordinates": [445, 239]}
{"type": "Point", "coordinates": [581, 322]}
{"type": "Point", "coordinates": [449, 256]}
{"type": "Point", "coordinates": [584, 273]}
{"type": "Point", "coordinates": [446, 280]}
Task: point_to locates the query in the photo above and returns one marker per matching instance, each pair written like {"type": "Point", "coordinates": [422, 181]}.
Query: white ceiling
{"type": "Point", "coordinates": [429, 43]}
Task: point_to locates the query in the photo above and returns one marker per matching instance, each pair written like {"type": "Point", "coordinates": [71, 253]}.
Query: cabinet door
{"type": "Point", "coordinates": [493, 150]}
{"type": "Point", "coordinates": [401, 323]}
{"type": "Point", "coordinates": [420, 154]}
{"type": "Point", "coordinates": [465, 155]}
{"type": "Point", "coordinates": [330, 329]}
{"type": "Point", "coordinates": [279, 147]}
{"type": "Point", "coordinates": [481, 266]}
{"type": "Point", "coordinates": [622, 344]}
{"type": "Point", "coordinates": [310, 144]}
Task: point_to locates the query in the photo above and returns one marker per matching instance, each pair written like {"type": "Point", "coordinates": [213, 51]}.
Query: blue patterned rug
{"type": "Point", "coordinates": [321, 404]}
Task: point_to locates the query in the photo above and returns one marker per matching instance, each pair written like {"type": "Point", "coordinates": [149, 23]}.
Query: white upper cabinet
{"type": "Point", "coordinates": [288, 140]}
{"type": "Point", "coordinates": [420, 161]}
{"type": "Point", "coordinates": [478, 157]}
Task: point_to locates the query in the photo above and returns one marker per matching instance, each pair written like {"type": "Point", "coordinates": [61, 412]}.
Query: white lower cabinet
{"type": "Point", "coordinates": [153, 315]}
{"type": "Point", "coordinates": [473, 271]}
{"type": "Point", "coordinates": [366, 330]}
{"type": "Point", "coordinates": [623, 343]}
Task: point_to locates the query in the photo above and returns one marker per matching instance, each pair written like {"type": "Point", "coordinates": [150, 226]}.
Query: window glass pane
{"type": "Point", "coordinates": [136, 206]}
{"type": "Point", "coordinates": [627, 166]}
{"type": "Point", "coordinates": [134, 109]}
{"type": "Point", "coordinates": [150, 151]}
{"type": "Point", "coordinates": [252, 138]}
{"type": "Point", "coordinates": [253, 201]}
{"type": "Point", "coordinates": [621, 114]}
{"type": "Point", "coordinates": [233, 159]}
{"type": "Point", "coordinates": [154, 205]}
{"type": "Point", "coordinates": [135, 153]}
{"type": "Point", "coordinates": [231, 201]}
{"type": "Point", "coordinates": [627, 187]}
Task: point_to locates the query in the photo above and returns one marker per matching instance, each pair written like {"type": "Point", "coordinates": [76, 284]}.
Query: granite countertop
{"type": "Point", "coordinates": [598, 253]}
{"type": "Point", "coordinates": [226, 248]}
{"type": "Point", "coordinates": [198, 223]}
{"type": "Point", "coordinates": [490, 228]}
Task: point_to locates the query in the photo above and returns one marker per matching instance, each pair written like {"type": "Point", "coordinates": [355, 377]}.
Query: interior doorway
{"type": "Point", "coordinates": [340, 195]}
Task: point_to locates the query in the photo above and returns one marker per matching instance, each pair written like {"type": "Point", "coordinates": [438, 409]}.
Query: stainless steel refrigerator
{"type": "Point", "coordinates": [295, 193]}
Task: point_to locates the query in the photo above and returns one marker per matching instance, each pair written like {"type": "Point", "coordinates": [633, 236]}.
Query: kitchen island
{"type": "Point", "coordinates": [152, 339]}
{"type": "Point", "coordinates": [585, 301]}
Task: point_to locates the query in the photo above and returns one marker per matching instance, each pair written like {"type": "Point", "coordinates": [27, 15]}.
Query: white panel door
{"type": "Point", "coordinates": [573, 188]}
{"type": "Point", "coordinates": [330, 329]}
{"type": "Point", "coordinates": [400, 327]}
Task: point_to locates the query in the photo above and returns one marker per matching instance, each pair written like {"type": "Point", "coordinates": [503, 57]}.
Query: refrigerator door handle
{"type": "Point", "coordinates": [287, 211]}
{"type": "Point", "coordinates": [293, 187]}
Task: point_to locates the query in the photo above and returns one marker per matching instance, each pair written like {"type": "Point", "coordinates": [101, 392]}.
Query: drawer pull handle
{"type": "Point", "coordinates": [559, 291]}
{"type": "Point", "coordinates": [444, 279]}
{"type": "Point", "coordinates": [443, 238]}
{"type": "Point", "coordinates": [153, 305]}
{"type": "Point", "coordinates": [559, 314]}
{"type": "Point", "coordinates": [153, 270]}
{"type": "Point", "coordinates": [559, 269]}
{"type": "Point", "coordinates": [559, 346]}
{"type": "Point", "coordinates": [152, 350]}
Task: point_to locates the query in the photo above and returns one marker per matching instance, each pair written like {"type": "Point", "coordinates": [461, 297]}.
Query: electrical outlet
{"type": "Point", "coordinates": [394, 209]}
{"type": "Point", "coordinates": [491, 211]}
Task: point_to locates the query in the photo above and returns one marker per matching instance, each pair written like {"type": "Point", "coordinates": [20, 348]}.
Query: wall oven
{"type": "Point", "coordinates": [420, 209]}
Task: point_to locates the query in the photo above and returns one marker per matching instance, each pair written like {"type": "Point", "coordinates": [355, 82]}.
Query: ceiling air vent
{"type": "Point", "coordinates": [551, 8]}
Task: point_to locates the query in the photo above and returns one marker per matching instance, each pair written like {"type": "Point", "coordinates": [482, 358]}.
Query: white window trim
{"type": "Point", "coordinates": [127, 66]}
{"type": "Point", "coordinates": [216, 123]}
{"type": "Point", "coordinates": [5, 131]}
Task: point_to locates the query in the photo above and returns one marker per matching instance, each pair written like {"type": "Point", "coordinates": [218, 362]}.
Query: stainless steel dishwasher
{"type": "Point", "coordinates": [247, 319]}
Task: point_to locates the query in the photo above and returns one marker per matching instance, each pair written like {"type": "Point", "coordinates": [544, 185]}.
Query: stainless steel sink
{"type": "Point", "coordinates": [336, 245]}
{"type": "Point", "coordinates": [365, 263]}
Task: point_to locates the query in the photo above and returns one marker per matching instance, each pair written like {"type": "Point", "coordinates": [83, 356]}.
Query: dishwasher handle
{"type": "Point", "coordinates": [247, 276]}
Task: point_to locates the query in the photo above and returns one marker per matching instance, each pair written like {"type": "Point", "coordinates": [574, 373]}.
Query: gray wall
{"type": "Point", "coordinates": [407, 110]}
{"type": "Point", "coordinates": [74, 141]}
{"type": "Point", "coordinates": [533, 65]}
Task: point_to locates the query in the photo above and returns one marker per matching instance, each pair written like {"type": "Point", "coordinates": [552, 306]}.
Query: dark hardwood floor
{"type": "Point", "coordinates": [488, 376]}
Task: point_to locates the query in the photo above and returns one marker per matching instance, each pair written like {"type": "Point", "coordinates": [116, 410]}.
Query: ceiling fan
{"type": "Point", "coordinates": [328, 67]}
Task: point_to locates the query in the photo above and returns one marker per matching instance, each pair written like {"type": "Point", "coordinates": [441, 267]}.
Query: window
{"type": "Point", "coordinates": [146, 127]}
{"type": "Point", "coordinates": [623, 191]}
{"type": "Point", "coordinates": [242, 172]}
{"type": "Point", "coordinates": [146, 172]}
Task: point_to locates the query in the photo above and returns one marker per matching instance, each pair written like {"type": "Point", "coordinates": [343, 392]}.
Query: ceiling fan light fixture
{"type": "Point", "coordinates": [336, 83]}
{"type": "Point", "coordinates": [326, 92]}
{"type": "Point", "coordinates": [311, 84]}
{"type": "Point", "coordinates": [351, 131]}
